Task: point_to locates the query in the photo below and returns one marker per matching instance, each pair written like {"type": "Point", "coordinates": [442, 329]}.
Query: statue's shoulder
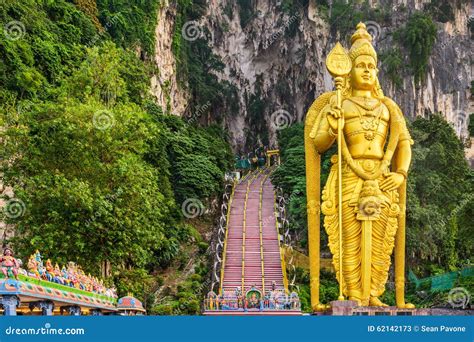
{"type": "Point", "coordinates": [392, 106]}
{"type": "Point", "coordinates": [312, 116]}
{"type": "Point", "coordinates": [321, 101]}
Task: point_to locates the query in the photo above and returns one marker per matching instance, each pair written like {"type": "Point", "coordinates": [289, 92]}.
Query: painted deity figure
{"type": "Point", "coordinates": [33, 267]}
{"type": "Point", "coordinates": [49, 270]}
{"type": "Point", "coordinates": [376, 155]}
{"type": "Point", "coordinates": [9, 264]}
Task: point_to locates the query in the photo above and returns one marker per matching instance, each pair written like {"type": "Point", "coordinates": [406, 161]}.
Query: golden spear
{"type": "Point", "coordinates": [339, 65]}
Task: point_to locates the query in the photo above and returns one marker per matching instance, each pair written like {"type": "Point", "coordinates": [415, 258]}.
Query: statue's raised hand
{"type": "Point", "coordinates": [333, 114]}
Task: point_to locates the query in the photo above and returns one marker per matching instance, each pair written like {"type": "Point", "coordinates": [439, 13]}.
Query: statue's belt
{"type": "Point", "coordinates": [369, 165]}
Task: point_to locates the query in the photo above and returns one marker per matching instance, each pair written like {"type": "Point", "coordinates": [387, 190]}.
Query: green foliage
{"type": "Point", "coordinates": [291, 6]}
{"type": "Point", "coordinates": [441, 11]}
{"type": "Point", "coordinates": [130, 23]}
{"type": "Point", "coordinates": [256, 120]}
{"type": "Point", "coordinates": [328, 288]}
{"type": "Point", "coordinates": [53, 42]}
{"type": "Point", "coordinates": [198, 157]}
{"type": "Point", "coordinates": [418, 37]}
{"type": "Point", "coordinates": [187, 298]}
{"type": "Point", "coordinates": [83, 184]}
{"type": "Point", "coordinates": [246, 11]}
{"type": "Point", "coordinates": [89, 7]}
{"type": "Point", "coordinates": [440, 203]}
{"type": "Point", "coordinates": [291, 177]}
{"type": "Point", "coordinates": [138, 283]}
{"type": "Point", "coordinates": [228, 10]}
{"type": "Point", "coordinates": [392, 63]}
{"type": "Point", "coordinates": [346, 14]}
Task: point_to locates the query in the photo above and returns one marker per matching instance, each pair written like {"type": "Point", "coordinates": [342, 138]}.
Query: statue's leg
{"type": "Point", "coordinates": [352, 229]}
{"type": "Point", "coordinates": [351, 233]}
{"type": "Point", "coordinates": [351, 249]}
{"type": "Point", "coordinates": [383, 241]}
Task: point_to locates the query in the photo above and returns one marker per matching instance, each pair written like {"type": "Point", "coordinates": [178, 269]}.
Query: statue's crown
{"type": "Point", "coordinates": [361, 42]}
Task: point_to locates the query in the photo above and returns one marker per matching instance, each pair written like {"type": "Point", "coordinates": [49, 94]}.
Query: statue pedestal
{"type": "Point", "coordinates": [350, 308]}
{"type": "Point", "coordinates": [342, 307]}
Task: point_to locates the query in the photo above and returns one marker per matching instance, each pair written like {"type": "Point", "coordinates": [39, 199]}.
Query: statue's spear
{"type": "Point", "coordinates": [339, 65]}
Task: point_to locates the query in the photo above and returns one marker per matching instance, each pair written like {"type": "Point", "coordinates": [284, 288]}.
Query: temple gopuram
{"type": "Point", "coordinates": [44, 289]}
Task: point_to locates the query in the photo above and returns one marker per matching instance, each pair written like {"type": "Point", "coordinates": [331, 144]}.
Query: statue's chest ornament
{"type": "Point", "coordinates": [370, 121]}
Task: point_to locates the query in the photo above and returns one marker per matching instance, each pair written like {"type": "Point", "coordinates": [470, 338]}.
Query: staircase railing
{"type": "Point", "coordinates": [283, 228]}
{"type": "Point", "coordinates": [224, 232]}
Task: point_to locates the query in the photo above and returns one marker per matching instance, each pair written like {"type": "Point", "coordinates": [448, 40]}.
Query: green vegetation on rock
{"type": "Point", "coordinates": [418, 37]}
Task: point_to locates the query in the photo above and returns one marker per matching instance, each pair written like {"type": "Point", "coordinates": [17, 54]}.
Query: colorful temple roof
{"type": "Point", "coordinates": [66, 285]}
{"type": "Point", "coordinates": [130, 303]}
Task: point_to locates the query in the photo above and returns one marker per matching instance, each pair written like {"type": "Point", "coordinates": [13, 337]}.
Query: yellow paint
{"type": "Point", "coordinates": [271, 153]}
{"type": "Point", "coordinates": [224, 253]}
{"type": "Point", "coordinates": [282, 251]}
{"type": "Point", "coordinates": [364, 200]}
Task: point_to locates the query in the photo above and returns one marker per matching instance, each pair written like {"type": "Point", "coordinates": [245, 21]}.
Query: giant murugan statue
{"type": "Point", "coordinates": [364, 199]}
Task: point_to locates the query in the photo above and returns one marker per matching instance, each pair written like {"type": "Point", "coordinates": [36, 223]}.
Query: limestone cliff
{"type": "Point", "coordinates": [164, 84]}
{"type": "Point", "coordinates": [274, 54]}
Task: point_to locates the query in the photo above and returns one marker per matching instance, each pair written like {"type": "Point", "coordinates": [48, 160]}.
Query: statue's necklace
{"type": "Point", "coordinates": [365, 104]}
{"type": "Point", "coordinates": [370, 123]}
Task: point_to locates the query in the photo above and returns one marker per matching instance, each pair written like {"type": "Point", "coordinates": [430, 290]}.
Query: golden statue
{"type": "Point", "coordinates": [374, 153]}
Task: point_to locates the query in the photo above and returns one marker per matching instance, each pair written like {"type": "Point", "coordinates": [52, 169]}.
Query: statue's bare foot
{"type": "Point", "coordinates": [406, 306]}
{"type": "Point", "coordinates": [375, 301]}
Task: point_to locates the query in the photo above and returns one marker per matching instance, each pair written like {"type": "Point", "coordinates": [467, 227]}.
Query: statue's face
{"type": "Point", "coordinates": [364, 73]}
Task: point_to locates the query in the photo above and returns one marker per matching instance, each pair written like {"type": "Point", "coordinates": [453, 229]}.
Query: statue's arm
{"type": "Point", "coordinates": [403, 157]}
{"type": "Point", "coordinates": [403, 152]}
{"type": "Point", "coordinates": [323, 135]}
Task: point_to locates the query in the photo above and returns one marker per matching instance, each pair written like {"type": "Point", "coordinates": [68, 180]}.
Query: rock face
{"type": "Point", "coordinates": [275, 59]}
{"type": "Point", "coordinates": [164, 85]}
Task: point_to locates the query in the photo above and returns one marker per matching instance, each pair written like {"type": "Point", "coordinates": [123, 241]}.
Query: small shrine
{"type": "Point", "coordinates": [130, 306]}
